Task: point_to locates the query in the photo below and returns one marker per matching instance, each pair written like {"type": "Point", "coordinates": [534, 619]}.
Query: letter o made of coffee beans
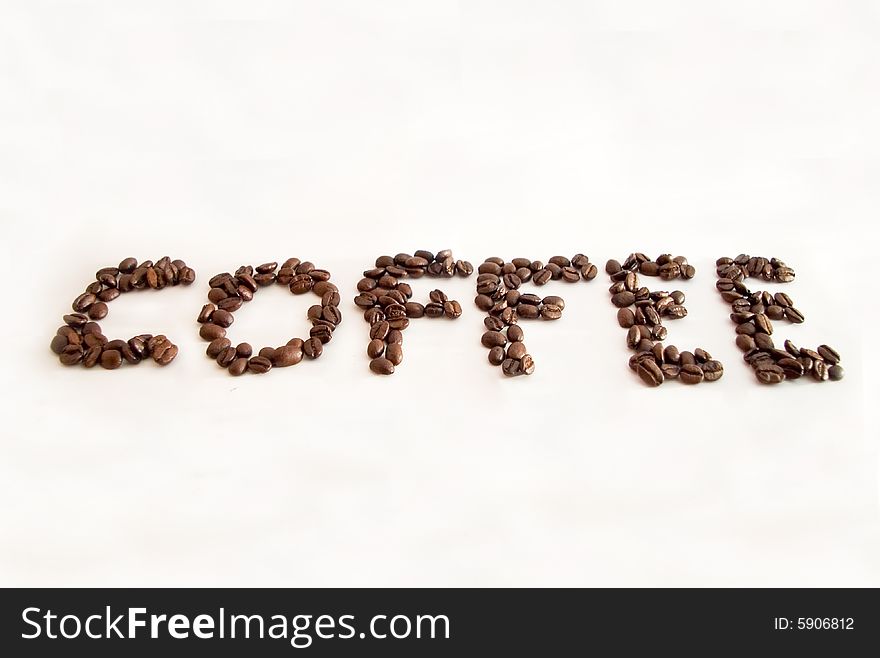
{"type": "Point", "coordinates": [387, 301]}
{"type": "Point", "coordinates": [81, 341]}
{"type": "Point", "coordinates": [229, 292]}
{"type": "Point", "coordinates": [499, 294]}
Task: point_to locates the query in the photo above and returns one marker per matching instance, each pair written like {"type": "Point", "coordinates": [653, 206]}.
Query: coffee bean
{"type": "Point", "coordinates": [512, 367]}
{"type": "Point", "coordinates": [452, 309]}
{"type": "Point", "coordinates": [792, 368]}
{"type": "Point", "coordinates": [691, 374]}
{"type": "Point", "coordinates": [497, 355]}
{"type": "Point", "coordinates": [259, 365]}
{"type": "Point", "coordinates": [794, 316]}
{"type": "Point", "coordinates": [463, 268]}
{"type": "Point", "coordinates": [623, 299]}
{"type": "Point", "coordinates": [313, 348]}
{"type": "Point", "coordinates": [111, 359]}
{"type": "Point", "coordinates": [769, 373]}
{"type": "Point", "coordinates": [382, 366]}
{"type": "Point", "coordinates": [380, 330]}
{"type": "Point", "coordinates": [820, 371]}
{"type": "Point", "coordinates": [713, 370]}
{"type": "Point", "coordinates": [210, 331]}
{"type": "Point", "coordinates": [222, 318]}
{"type": "Point", "coordinates": [670, 371]}
{"type": "Point", "coordinates": [650, 372]}
{"type": "Point", "coordinates": [830, 355]}
{"type": "Point", "coordinates": [71, 355]}
{"type": "Point", "coordinates": [493, 339]}
{"type": "Point", "coordinates": [835, 373]}
{"type": "Point", "coordinates": [375, 348]}
{"type": "Point", "coordinates": [394, 353]}
{"type": "Point", "coordinates": [238, 366]}
{"type": "Point", "coordinates": [516, 351]}
{"type": "Point", "coordinates": [300, 284]}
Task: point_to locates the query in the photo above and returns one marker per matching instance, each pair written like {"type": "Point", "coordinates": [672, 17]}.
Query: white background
{"type": "Point", "coordinates": [238, 132]}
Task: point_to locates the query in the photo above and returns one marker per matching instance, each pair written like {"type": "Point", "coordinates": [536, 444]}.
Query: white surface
{"type": "Point", "coordinates": [226, 133]}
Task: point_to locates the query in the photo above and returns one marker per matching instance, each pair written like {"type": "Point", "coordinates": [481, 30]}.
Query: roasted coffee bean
{"type": "Point", "coordinates": [375, 348]}
{"type": "Point", "coordinates": [434, 310]}
{"type": "Point", "coordinates": [166, 355]}
{"type": "Point", "coordinates": [812, 354]}
{"type": "Point", "coordinates": [216, 346]}
{"type": "Point", "coordinates": [671, 355]}
{"type": "Point", "coordinates": [769, 373]}
{"type": "Point", "coordinates": [820, 371]}
{"type": "Point", "coordinates": [830, 355]}
{"type": "Point", "coordinates": [775, 312]}
{"type": "Point", "coordinates": [625, 318]}
{"type": "Point", "coordinates": [226, 356]}
{"type": "Point", "coordinates": [745, 343]}
{"type": "Point", "coordinates": [792, 368]}
{"type": "Point", "coordinates": [382, 366]}
{"type": "Point", "coordinates": [691, 374]}
{"type": "Point", "coordinates": [111, 359]}
{"type": "Point", "coordinates": [313, 348]}
{"type": "Point", "coordinates": [259, 365]}
{"type": "Point", "coordinates": [763, 324]}
{"type": "Point", "coordinates": [512, 367]}
{"type": "Point", "coordinates": [713, 370]}
{"type": "Point", "coordinates": [516, 350]}
{"type": "Point", "coordinates": [394, 353]}
{"type": "Point", "coordinates": [211, 331]}
{"type": "Point", "coordinates": [493, 339]}
{"type": "Point", "coordinates": [650, 372]}
{"type": "Point", "coordinates": [71, 355]}
{"type": "Point", "coordinates": [222, 318]}
{"type": "Point", "coordinates": [58, 344]}
{"type": "Point", "coordinates": [551, 312]}
{"type": "Point", "coordinates": [287, 355]}
{"type": "Point", "coordinates": [514, 333]}
{"type": "Point", "coordinates": [633, 337]}
{"type": "Point", "coordinates": [374, 315]}
{"type": "Point", "coordinates": [836, 373]}
{"type": "Point", "coordinates": [670, 371]}
{"type": "Point", "coordinates": [452, 309]}
{"type": "Point", "coordinates": [83, 302]}
{"type": "Point", "coordinates": [794, 316]}
{"type": "Point", "coordinates": [497, 355]}
{"type": "Point", "coordinates": [332, 314]}
{"type": "Point", "coordinates": [300, 284]}
{"type": "Point", "coordinates": [91, 356]}
{"type": "Point", "coordinates": [623, 299]}
{"type": "Point", "coordinates": [205, 313]}
{"type": "Point", "coordinates": [238, 366]}
{"type": "Point", "coordinates": [493, 323]}
{"type": "Point", "coordinates": [380, 330]}
{"type": "Point", "coordinates": [128, 265]}
{"type": "Point", "coordinates": [244, 350]}
{"type": "Point", "coordinates": [527, 364]}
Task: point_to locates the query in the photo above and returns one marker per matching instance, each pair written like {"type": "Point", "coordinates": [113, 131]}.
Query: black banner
{"type": "Point", "coordinates": [418, 622]}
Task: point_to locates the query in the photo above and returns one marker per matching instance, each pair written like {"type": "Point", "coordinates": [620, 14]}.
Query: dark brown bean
{"type": "Point", "coordinates": [259, 365]}
{"type": "Point", "coordinates": [111, 359]}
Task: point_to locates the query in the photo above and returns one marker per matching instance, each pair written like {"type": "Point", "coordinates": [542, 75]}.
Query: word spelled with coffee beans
{"type": "Point", "coordinates": [385, 298]}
